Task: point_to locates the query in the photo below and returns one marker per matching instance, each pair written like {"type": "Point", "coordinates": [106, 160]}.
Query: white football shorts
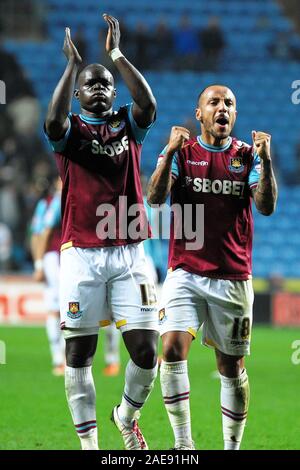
{"type": "Point", "coordinates": [222, 307]}
{"type": "Point", "coordinates": [51, 271]}
{"type": "Point", "coordinates": [101, 285]}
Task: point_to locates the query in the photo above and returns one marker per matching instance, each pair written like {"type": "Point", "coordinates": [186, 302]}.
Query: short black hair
{"type": "Point", "coordinates": [93, 66]}
{"type": "Point", "coordinates": [208, 86]}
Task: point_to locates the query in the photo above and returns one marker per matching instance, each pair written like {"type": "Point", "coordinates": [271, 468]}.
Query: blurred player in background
{"type": "Point", "coordinates": [45, 246]}
{"type": "Point", "coordinates": [152, 246]}
{"type": "Point", "coordinates": [98, 156]}
{"type": "Point", "coordinates": [111, 351]}
{"type": "Point", "coordinates": [210, 284]}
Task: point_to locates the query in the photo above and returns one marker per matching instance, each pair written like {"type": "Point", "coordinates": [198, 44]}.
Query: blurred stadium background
{"type": "Point", "coordinates": [253, 46]}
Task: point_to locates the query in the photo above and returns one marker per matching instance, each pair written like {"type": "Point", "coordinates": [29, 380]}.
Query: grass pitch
{"type": "Point", "coordinates": [34, 412]}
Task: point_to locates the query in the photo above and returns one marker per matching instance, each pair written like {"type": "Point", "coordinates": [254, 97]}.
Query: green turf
{"type": "Point", "coordinates": [34, 414]}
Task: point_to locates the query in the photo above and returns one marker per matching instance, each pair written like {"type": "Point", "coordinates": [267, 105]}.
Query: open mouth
{"type": "Point", "coordinates": [222, 121]}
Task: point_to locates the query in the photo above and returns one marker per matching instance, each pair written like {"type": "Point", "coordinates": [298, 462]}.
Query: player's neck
{"type": "Point", "coordinates": [103, 114]}
{"type": "Point", "coordinates": [209, 139]}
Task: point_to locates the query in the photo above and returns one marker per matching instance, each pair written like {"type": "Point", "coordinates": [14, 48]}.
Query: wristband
{"type": "Point", "coordinates": [115, 54]}
{"type": "Point", "coordinates": [38, 265]}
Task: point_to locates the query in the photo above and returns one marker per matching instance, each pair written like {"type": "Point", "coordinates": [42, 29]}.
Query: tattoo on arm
{"type": "Point", "coordinates": [265, 194]}
{"type": "Point", "coordinates": [160, 183]}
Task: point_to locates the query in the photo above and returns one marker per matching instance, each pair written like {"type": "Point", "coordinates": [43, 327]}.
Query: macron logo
{"type": "Point", "coordinates": [201, 163]}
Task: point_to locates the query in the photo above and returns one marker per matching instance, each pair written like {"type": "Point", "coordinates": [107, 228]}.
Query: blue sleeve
{"type": "Point", "coordinates": [53, 216]}
{"type": "Point", "coordinates": [59, 145]}
{"type": "Point", "coordinates": [174, 167]}
{"type": "Point", "coordinates": [37, 223]}
{"type": "Point", "coordinates": [138, 132]}
{"type": "Point", "coordinates": [254, 174]}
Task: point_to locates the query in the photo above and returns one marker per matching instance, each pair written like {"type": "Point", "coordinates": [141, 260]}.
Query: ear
{"type": "Point", "coordinates": [76, 94]}
{"type": "Point", "coordinates": [115, 92]}
{"type": "Point", "coordinates": [198, 114]}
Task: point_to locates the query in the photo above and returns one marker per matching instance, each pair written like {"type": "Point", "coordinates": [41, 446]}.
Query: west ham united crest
{"type": "Point", "coordinates": [74, 310]}
{"type": "Point", "coordinates": [236, 165]}
{"type": "Point", "coordinates": [116, 125]}
{"type": "Point", "coordinates": [162, 315]}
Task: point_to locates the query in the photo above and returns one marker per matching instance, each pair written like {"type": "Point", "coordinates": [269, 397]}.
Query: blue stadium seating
{"type": "Point", "coordinates": [262, 86]}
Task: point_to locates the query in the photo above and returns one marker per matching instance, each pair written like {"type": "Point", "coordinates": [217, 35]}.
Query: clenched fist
{"type": "Point", "coordinates": [262, 144]}
{"type": "Point", "coordinates": [177, 138]}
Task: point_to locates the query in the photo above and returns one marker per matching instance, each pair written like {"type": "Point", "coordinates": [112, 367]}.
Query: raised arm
{"type": "Point", "coordinates": [60, 104]}
{"type": "Point", "coordinates": [265, 193]}
{"type": "Point", "coordinates": [144, 105]}
{"type": "Point", "coordinates": [161, 181]}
